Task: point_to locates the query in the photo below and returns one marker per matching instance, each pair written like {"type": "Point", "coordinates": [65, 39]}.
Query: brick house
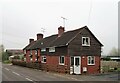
{"type": "Point", "coordinates": [75, 52]}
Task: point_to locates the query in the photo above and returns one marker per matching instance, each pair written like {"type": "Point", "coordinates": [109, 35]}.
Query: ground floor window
{"type": "Point", "coordinates": [91, 60]}
{"type": "Point", "coordinates": [72, 61]}
{"type": "Point", "coordinates": [61, 60]}
{"type": "Point", "coordinates": [43, 59]}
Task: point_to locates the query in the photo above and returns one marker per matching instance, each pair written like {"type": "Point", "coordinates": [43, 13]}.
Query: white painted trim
{"type": "Point", "coordinates": [43, 49]}
{"type": "Point", "coordinates": [42, 59]}
{"type": "Point", "coordinates": [51, 49]}
{"type": "Point", "coordinates": [79, 62]}
{"type": "Point", "coordinates": [87, 60]}
{"type": "Point", "coordinates": [59, 60]}
{"type": "Point", "coordinates": [88, 41]}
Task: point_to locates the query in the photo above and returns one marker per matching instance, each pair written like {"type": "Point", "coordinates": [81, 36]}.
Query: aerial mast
{"type": "Point", "coordinates": [63, 21]}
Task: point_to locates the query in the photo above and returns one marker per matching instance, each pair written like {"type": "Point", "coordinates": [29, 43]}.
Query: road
{"type": "Point", "coordinates": [18, 73]}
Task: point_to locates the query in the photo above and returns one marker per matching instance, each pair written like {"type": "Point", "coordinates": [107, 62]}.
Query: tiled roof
{"type": "Point", "coordinates": [65, 38]}
{"type": "Point", "coordinates": [56, 41]}
{"type": "Point", "coordinates": [43, 43]}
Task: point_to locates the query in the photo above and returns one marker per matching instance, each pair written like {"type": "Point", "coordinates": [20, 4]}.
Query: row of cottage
{"type": "Point", "coordinates": [76, 52]}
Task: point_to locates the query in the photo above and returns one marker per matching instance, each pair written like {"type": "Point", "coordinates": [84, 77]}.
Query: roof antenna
{"type": "Point", "coordinates": [64, 21]}
{"type": "Point", "coordinates": [43, 30]}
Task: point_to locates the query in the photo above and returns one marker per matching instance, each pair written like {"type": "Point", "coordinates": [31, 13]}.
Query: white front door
{"type": "Point", "coordinates": [77, 65]}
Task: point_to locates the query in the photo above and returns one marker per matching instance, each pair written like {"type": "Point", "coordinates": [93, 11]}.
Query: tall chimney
{"type": "Point", "coordinates": [39, 36]}
{"type": "Point", "coordinates": [60, 31]}
{"type": "Point", "coordinates": [31, 41]}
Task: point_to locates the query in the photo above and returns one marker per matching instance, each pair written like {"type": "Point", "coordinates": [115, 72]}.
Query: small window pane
{"type": "Point", "coordinates": [43, 59]}
{"type": "Point", "coordinates": [91, 60]}
{"type": "Point", "coordinates": [76, 61]}
{"type": "Point", "coordinates": [52, 49]}
{"type": "Point", "coordinates": [61, 60]}
{"type": "Point", "coordinates": [85, 41]}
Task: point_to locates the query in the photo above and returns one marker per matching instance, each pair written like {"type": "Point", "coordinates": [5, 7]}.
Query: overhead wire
{"type": "Point", "coordinates": [90, 10]}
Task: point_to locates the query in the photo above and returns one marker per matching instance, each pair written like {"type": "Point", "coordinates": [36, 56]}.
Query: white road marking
{"type": "Point", "coordinates": [7, 69]}
{"type": "Point", "coordinates": [28, 79]}
{"type": "Point", "coordinates": [16, 73]}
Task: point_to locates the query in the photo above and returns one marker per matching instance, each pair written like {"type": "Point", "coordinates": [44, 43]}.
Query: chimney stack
{"type": "Point", "coordinates": [31, 41]}
{"type": "Point", "coordinates": [39, 36]}
{"type": "Point", "coordinates": [60, 31]}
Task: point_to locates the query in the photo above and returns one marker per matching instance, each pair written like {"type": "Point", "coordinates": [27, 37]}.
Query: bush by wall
{"type": "Point", "coordinates": [109, 66]}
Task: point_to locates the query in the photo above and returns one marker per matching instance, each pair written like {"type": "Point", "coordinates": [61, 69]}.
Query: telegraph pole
{"type": "Point", "coordinates": [63, 21]}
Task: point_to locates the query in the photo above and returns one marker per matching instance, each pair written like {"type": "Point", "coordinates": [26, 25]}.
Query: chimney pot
{"type": "Point", "coordinates": [31, 41]}
{"type": "Point", "coordinates": [60, 31]}
{"type": "Point", "coordinates": [39, 36]}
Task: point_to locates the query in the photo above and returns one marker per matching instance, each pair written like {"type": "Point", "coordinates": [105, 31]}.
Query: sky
{"type": "Point", "coordinates": [21, 20]}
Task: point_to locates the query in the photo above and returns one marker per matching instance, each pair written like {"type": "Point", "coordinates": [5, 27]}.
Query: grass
{"type": "Point", "coordinates": [7, 62]}
{"type": "Point", "coordinates": [118, 69]}
{"type": "Point", "coordinates": [108, 69]}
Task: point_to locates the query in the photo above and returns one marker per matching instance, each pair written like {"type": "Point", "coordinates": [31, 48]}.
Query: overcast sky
{"type": "Point", "coordinates": [23, 19]}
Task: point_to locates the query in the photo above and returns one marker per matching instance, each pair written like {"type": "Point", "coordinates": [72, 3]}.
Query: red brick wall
{"type": "Point", "coordinates": [91, 69]}
{"type": "Point", "coordinates": [27, 56]}
{"type": "Point", "coordinates": [33, 56]}
{"type": "Point", "coordinates": [52, 64]}
{"type": "Point", "coordinates": [39, 59]}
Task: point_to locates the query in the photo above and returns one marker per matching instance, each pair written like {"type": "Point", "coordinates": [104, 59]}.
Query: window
{"type": "Point", "coordinates": [72, 61]}
{"type": "Point", "coordinates": [30, 52]}
{"type": "Point", "coordinates": [52, 49]}
{"type": "Point", "coordinates": [61, 60]}
{"type": "Point", "coordinates": [24, 51]}
{"type": "Point", "coordinates": [43, 49]}
{"type": "Point", "coordinates": [77, 61]}
{"type": "Point", "coordinates": [43, 59]}
{"type": "Point", "coordinates": [91, 60]}
{"type": "Point", "coordinates": [41, 43]}
{"type": "Point", "coordinates": [36, 52]}
{"type": "Point", "coordinates": [85, 41]}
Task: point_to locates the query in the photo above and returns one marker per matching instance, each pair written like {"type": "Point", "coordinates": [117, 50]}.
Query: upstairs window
{"type": "Point", "coordinates": [52, 49]}
{"type": "Point", "coordinates": [91, 60]}
{"type": "Point", "coordinates": [61, 60]}
{"type": "Point", "coordinates": [43, 49]}
{"type": "Point", "coordinates": [85, 41]}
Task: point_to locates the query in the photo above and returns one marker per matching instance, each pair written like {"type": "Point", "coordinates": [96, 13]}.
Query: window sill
{"type": "Point", "coordinates": [61, 64]}
{"type": "Point", "coordinates": [85, 45]}
{"type": "Point", "coordinates": [52, 52]}
{"type": "Point", "coordinates": [91, 64]}
{"type": "Point", "coordinates": [43, 62]}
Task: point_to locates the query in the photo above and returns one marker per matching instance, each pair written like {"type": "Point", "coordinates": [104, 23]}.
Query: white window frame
{"type": "Point", "coordinates": [61, 60]}
{"type": "Point", "coordinates": [52, 49]}
{"type": "Point", "coordinates": [85, 43]}
{"type": "Point", "coordinates": [43, 49]}
{"type": "Point", "coordinates": [42, 59]}
{"type": "Point", "coordinates": [91, 58]}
